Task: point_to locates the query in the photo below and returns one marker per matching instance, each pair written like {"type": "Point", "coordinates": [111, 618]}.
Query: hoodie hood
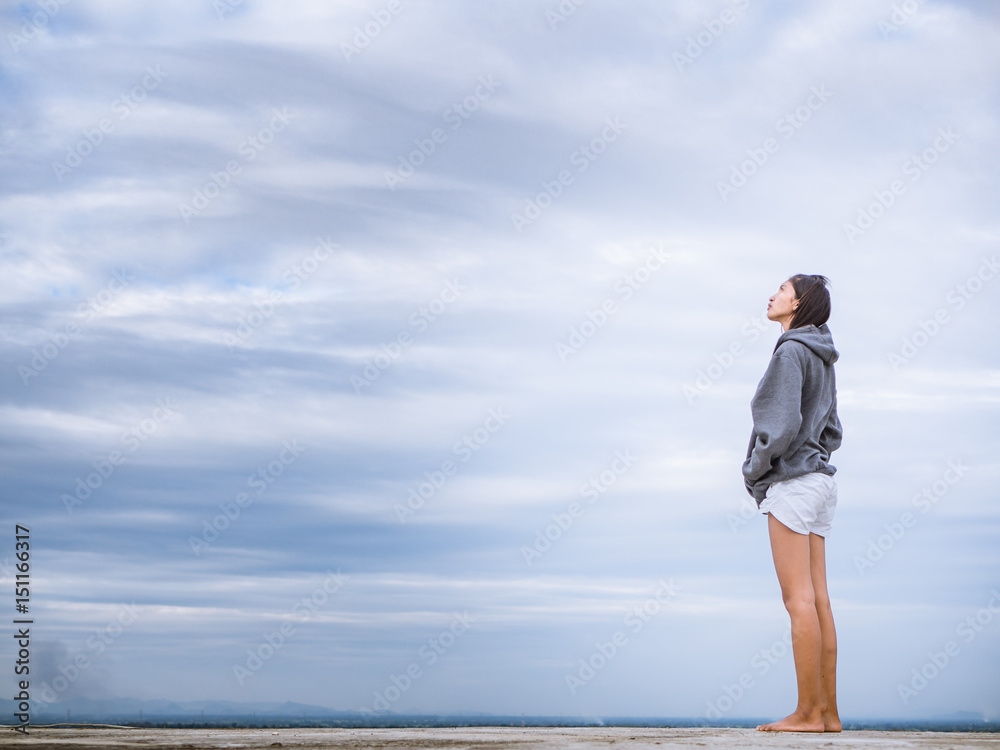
{"type": "Point", "coordinates": [818, 339]}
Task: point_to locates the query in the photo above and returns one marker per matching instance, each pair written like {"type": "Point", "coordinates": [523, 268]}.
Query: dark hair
{"type": "Point", "coordinates": [814, 300]}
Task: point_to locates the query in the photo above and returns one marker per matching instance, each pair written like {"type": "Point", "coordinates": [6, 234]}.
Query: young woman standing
{"type": "Point", "coordinates": [787, 471]}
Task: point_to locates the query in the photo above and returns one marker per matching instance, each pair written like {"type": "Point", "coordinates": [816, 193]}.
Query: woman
{"type": "Point", "coordinates": [787, 471]}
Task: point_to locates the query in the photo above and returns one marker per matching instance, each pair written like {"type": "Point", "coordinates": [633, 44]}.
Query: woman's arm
{"type": "Point", "coordinates": [833, 432]}
{"type": "Point", "coordinates": [777, 415]}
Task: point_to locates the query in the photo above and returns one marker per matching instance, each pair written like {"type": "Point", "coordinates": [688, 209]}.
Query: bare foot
{"type": "Point", "coordinates": [831, 723]}
{"type": "Point", "coordinates": [795, 723]}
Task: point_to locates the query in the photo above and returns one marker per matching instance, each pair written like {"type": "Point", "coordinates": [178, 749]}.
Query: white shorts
{"type": "Point", "coordinates": [804, 504]}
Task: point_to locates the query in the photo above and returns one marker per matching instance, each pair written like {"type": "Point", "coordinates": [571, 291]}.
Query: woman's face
{"type": "Point", "coordinates": [782, 304]}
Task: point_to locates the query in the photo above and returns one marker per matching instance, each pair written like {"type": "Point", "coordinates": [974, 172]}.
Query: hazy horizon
{"type": "Point", "coordinates": [122, 707]}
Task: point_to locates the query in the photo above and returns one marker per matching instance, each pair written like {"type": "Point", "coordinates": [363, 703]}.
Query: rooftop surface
{"type": "Point", "coordinates": [486, 738]}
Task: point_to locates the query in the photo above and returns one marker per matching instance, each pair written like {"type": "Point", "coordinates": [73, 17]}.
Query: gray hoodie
{"type": "Point", "coordinates": [795, 423]}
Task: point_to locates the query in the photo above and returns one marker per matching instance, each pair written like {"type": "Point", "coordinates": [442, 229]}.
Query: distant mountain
{"type": "Point", "coordinates": [965, 716]}
{"type": "Point", "coordinates": [132, 708]}
{"type": "Point", "coordinates": [226, 713]}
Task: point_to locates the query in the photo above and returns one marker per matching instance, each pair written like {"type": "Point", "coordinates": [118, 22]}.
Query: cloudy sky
{"type": "Point", "coordinates": [398, 355]}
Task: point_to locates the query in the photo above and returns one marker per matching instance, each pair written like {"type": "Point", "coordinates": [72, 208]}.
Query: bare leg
{"type": "Point", "coordinates": [828, 636]}
{"type": "Point", "coordinates": [791, 553]}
